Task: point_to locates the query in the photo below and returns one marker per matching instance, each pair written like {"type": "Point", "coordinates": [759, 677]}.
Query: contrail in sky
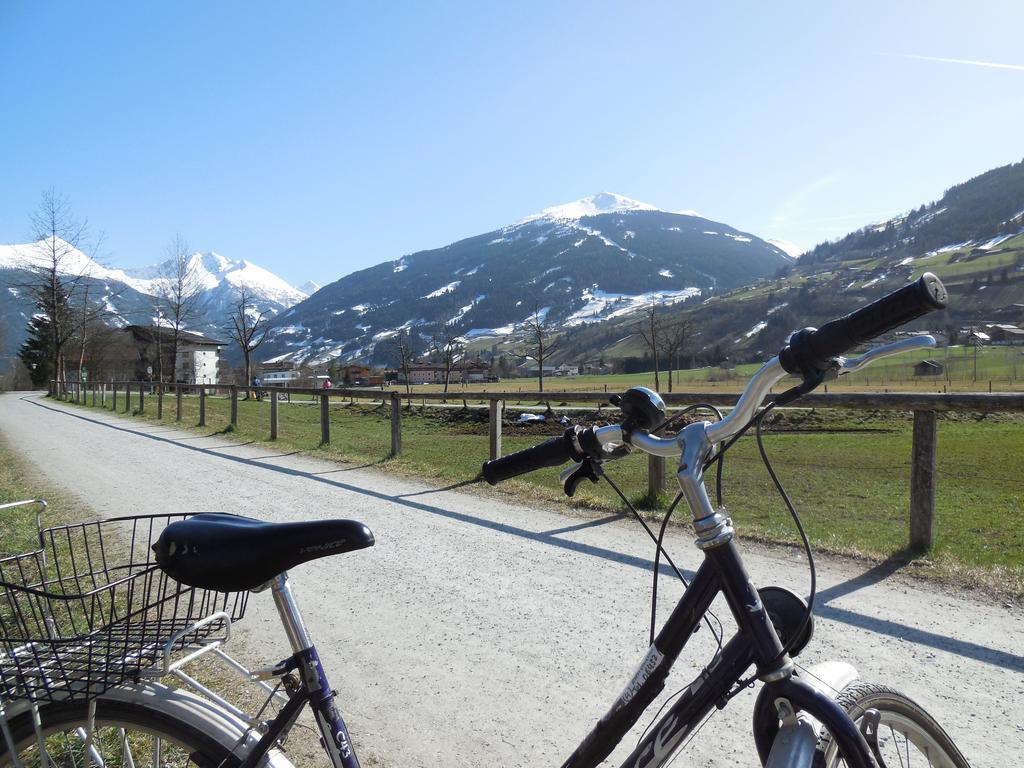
{"type": "Point", "coordinates": [990, 64]}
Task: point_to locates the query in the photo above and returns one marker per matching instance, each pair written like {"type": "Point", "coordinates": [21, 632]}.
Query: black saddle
{"type": "Point", "coordinates": [229, 553]}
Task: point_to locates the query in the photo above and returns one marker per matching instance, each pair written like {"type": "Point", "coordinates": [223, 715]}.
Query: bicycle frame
{"type": "Point", "coordinates": [721, 572]}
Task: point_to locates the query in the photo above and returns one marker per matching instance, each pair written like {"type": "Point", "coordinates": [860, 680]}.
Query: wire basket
{"type": "Point", "coordinates": [90, 609]}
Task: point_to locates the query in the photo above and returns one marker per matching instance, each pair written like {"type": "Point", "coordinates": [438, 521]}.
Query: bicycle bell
{"type": "Point", "coordinates": [643, 407]}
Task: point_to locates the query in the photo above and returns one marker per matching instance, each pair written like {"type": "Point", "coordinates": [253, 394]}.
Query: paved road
{"type": "Point", "coordinates": [481, 632]}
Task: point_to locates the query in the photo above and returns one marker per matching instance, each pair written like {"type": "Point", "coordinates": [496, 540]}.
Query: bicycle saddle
{"type": "Point", "coordinates": [229, 553]}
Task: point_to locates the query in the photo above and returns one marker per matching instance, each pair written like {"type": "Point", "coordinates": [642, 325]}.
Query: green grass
{"type": "Point", "coordinates": [17, 483]}
{"type": "Point", "coordinates": [1003, 366]}
{"type": "Point", "coordinates": [847, 472]}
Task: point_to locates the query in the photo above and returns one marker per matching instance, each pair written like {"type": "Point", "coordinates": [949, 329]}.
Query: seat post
{"type": "Point", "coordinates": [288, 610]}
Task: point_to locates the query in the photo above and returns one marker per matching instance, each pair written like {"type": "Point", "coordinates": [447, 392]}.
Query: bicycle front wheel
{"type": "Point", "coordinates": [907, 734]}
{"type": "Point", "coordinates": [116, 734]}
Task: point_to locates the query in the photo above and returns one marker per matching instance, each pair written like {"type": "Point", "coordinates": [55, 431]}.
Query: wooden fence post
{"type": "Point", "coordinates": [234, 405]}
{"type": "Point", "coordinates": [94, 387]}
{"type": "Point", "coordinates": [325, 419]}
{"type": "Point", "coordinates": [113, 395]}
{"type": "Point", "coordinates": [396, 423]}
{"type": "Point", "coordinates": [496, 407]}
{"type": "Point", "coordinates": [177, 398]}
{"type": "Point", "coordinates": [160, 401]}
{"type": "Point", "coordinates": [127, 396]}
{"type": "Point", "coordinates": [103, 395]}
{"type": "Point", "coordinates": [202, 405]}
{"type": "Point", "coordinates": [142, 397]}
{"type": "Point", "coordinates": [273, 415]}
{"type": "Point", "coordinates": [655, 476]}
{"type": "Point", "coordinates": [922, 481]}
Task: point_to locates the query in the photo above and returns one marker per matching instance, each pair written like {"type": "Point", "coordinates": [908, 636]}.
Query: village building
{"type": "Point", "coordinates": [197, 360]}
{"type": "Point", "coordinates": [278, 374]}
{"type": "Point", "coordinates": [928, 368]}
{"type": "Point", "coordinates": [1003, 333]}
{"type": "Point", "coordinates": [431, 373]}
{"type": "Point", "coordinates": [474, 371]}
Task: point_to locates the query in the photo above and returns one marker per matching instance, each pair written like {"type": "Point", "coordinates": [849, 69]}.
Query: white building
{"type": "Point", "coordinates": [196, 362]}
{"type": "Point", "coordinates": [198, 358]}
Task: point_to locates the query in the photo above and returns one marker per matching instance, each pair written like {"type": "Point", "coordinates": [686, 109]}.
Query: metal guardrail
{"type": "Point", "coordinates": [924, 407]}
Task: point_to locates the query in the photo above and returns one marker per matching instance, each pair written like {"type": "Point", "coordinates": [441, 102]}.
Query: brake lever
{"type": "Point", "coordinates": [572, 476]}
{"type": "Point", "coordinates": [903, 345]}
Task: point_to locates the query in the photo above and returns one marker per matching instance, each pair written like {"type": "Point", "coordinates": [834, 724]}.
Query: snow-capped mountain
{"type": "Point", "coordinates": [129, 294]}
{"type": "Point", "coordinates": [575, 264]}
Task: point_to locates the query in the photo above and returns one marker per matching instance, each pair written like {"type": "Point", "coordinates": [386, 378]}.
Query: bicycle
{"type": "Point", "coordinates": [80, 648]}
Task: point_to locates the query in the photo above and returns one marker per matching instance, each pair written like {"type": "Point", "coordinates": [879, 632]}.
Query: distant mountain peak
{"type": "Point", "coordinates": [788, 248]}
{"type": "Point", "coordinates": [309, 287]}
{"type": "Point", "coordinates": [594, 205]}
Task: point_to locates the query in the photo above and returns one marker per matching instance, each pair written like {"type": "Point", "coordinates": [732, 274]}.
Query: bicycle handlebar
{"type": "Point", "coordinates": [809, 353]}
{"type": "Point", "coordinates": [812, 350]}
{"type": "Point", "coordinates": [550, 453]}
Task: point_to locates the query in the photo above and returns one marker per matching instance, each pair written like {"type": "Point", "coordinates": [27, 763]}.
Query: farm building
{"type": "Point", "coordinates": [929, 368]}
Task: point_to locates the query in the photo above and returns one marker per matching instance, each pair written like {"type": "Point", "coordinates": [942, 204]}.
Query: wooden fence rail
{"type": "Point", "coordinates": [924, 407]}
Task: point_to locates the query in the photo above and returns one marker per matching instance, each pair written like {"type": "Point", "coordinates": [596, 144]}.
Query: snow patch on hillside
{"type": "Point", "coordinates": [756, 329]}
{"type": "Point", "coordinates": [443, 290]}
{"type": "Point", "coordinates": [601, 305]}
{"type": "Point", "coordinates": [996, 241]}
{"type": "Point", "coordinates": [788, 248]}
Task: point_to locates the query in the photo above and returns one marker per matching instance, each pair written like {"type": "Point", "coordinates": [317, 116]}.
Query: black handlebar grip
{"type": "Point", "coordinates": [811, 349]}
{"type": "Point", "coordinates": [550, 453]}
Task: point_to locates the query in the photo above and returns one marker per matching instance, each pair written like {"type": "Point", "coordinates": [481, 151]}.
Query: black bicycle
{"type": "Point", "coordinates": [82, 647]}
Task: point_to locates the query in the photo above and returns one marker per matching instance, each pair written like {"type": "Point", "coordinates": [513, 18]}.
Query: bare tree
{"type": "Point", "coordinates": [648, 328]}
{"type": "Point", "coordinates": [89, 317]}
{"type": "Point", "coordinates": [448, 348]}
{"type": "Point", "coordinates": [404, 352]}
{"type": "Point", "coordinates": [248, 329]}
{"type": "Point", "coordinates": [672, 341]}
{"type": "Point", "coordinates": [178, 297]}
{"type": "Point", "coordinates": [542, 342]}
{"type": "Point", "coordinates": [56, 272]}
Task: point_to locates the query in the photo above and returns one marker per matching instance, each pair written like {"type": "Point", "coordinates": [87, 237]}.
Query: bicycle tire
{"type": "Point", "coordinates": [118, 724]}
{"type": "Point", "coordinates": [905, 729]}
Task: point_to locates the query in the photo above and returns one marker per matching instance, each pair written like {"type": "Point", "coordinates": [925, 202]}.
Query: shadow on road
{"type": "Point", "coordinates": [823, 609]}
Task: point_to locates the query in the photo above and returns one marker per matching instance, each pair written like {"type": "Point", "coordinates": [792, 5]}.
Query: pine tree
{"type": "Point", "coordinates": [36, 352]}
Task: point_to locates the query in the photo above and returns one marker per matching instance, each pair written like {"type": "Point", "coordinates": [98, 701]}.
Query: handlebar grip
{"type": "Point", "coordinates": [812, 349]}
{"type": "Point", "coordinates": [550, 453]}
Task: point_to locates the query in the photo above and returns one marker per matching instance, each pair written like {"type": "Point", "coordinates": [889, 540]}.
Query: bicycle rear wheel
{"type": "Point", "coordinates": [907, 735]}
{"type": "Point", "coordinates": [117, 735]}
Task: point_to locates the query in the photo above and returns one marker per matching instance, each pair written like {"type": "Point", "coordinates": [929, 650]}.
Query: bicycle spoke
{"type": "Point", "coordinates": [127, 759]}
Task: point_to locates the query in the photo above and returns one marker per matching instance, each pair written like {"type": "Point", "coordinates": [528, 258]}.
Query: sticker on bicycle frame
{"type": "Point", "coordinates": [650, 663]}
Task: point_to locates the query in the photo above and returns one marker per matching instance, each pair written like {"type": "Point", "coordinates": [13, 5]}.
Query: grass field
{"type": "Point", "coordinates": [848, 472]}
{"type": "Point", "coordinates": [968, 369]}
{"type": "Point", "coordinates": [18, 526]}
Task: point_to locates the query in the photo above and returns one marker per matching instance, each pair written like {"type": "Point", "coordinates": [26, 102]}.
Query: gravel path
{"type": "Point", "coordinates": [480, 632]}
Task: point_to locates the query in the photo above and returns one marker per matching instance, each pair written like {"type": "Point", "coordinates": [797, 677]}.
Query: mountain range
{"type": "Point", "coordinates": [589, 269]}
{"type": "Point", "coordinates": [129, 296]}
{"type": "Point", "coordinates": [572, 265]}
{"type": "Point", "coordinates": [972, 237]}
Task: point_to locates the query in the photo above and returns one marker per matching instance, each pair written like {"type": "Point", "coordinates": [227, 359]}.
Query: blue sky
{"type": "Point", "coordinates": [316, 139]}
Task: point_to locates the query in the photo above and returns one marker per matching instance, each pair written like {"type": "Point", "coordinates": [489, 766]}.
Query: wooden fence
{"type": "Point", "coordinates": [925, 408]}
